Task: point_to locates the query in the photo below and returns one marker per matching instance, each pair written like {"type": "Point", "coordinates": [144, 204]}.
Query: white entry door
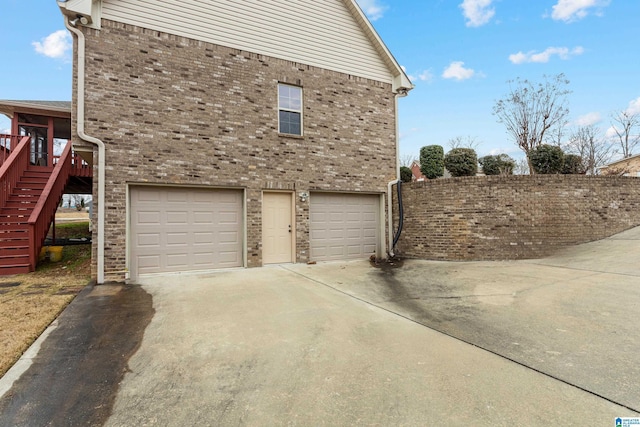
{"type": "Point", "coordinates": [277, 228]}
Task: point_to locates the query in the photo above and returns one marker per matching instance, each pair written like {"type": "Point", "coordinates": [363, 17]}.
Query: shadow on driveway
{"type": "Point", "coordinates": [573, 316]}
{"type": "Point", "coordinates": [74, 378]}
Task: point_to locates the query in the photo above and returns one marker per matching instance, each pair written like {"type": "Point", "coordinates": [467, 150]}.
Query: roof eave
{"type": "Point", "coordinates": [401, 83]}
{"type": "Point", "coordinates": [9, 108]}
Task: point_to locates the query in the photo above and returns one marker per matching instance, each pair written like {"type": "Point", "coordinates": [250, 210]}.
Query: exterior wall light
{"type": "Point", "coordinates": [304, 196]}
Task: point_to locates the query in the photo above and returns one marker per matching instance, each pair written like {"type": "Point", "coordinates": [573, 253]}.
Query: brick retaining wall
{"type": "Point", "coordinates": [513, 217]}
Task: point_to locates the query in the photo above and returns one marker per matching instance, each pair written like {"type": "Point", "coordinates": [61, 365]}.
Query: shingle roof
{"type": "Point", "coordinates": [64, 106]}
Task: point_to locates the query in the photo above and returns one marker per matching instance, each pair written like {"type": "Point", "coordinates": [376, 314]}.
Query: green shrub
{"type": "Point", "coordinates": [502, 164]}
{"type": "Point", "coordinates": [432, 161]}
{"type": "Point", "coordinates": [546, 159]}
{"type": "Point", "coordinates": [405, 174]}
{"type": "Point", "coordinates": [572, 165]}
{"type": "Point", "coordinates": [461, 162]}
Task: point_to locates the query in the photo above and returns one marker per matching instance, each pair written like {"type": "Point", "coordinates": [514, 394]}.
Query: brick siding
{"type": "Point", "coordinates": [513, 217]}
{"type": "Point", "coordinates": [172, 110]}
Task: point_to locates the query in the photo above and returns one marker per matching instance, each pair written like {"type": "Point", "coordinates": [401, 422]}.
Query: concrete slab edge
{"type": "Point", "coordinates": [25, 361]}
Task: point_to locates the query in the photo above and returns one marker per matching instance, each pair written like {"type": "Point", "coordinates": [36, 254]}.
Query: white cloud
{"type": "Point", "coordinates": [372, 8]}
{"type": "Point", "coordinates": [425, 76]}
{"type": "Point", "coordinates": [611, 133]}
{"type": "Point", "coordinates": [477, 12]}
{"type": "Point", "coordinates": [574, 10]}
{"type": "Point", "coordinates": [634, 106]}
{"type": "Point", "coordinates": [588, 119]}
{"type": "Point", "coordinates": [544, 56]}
{"type": "Point", "coordinates": [456, 70]}
{"type": "Point", "coordinates": [55, 45]}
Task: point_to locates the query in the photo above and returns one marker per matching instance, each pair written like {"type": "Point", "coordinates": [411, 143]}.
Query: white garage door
{"type": "Point", "coordinates": [343, 226]}
{"type": "Point", "coordinates": [184, 229]}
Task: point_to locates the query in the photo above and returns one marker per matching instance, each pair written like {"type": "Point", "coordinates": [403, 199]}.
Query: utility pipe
{"type": "Point", "coordinates": [95, 141]}
{"type": "Point", "coordinates": [400, 94]}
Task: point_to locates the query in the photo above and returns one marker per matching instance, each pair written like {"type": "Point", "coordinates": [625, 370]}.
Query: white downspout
{"type": "Point", "coordinates": [92, 140]}
{"type": "Point", "coordinates": [390, 184]}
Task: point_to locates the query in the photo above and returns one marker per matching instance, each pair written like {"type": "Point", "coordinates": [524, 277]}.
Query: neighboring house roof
{"type": "Point", "coordinates": [334, 35]}
{"type": "Point", "coordinates": [417, 173]}
{"type": "Point", "coordinates": [632, 159]}
{"type": "Point", "coordinates": [61, 108]}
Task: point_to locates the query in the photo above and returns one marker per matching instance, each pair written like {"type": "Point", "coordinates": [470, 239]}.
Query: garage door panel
{"type": "Point", "coordinates": [203, 238]}
{"type": "Point", "coordinates": [177, 197]}
{"type": "Point", "coordinates": [177, 260]}
{"type": "Point", "coordinates": [228, 237]}
{"type": "Point", "coordinates": [149, 196]}
{"type": "Point", "coordinates": [150, 240]}
{"type": "Point", "coordinates": [229, 218]}
{"type": "Point", "coordinates": [151, 261]}
{"type": "Point", "coordinates": [343, 226]}
{"type": "Point", "coordinates": [177, 239]}
{"type": "Point", "coordinates": [369, 233]}
{"type": "Point", "coordinates": [203, 217]}
{"type": "Point", "coordinates": [177, 218]}
{"type": "Point", "coordinates": [148, 218]}
{"type": "Point", "coordinates": [182, 229]}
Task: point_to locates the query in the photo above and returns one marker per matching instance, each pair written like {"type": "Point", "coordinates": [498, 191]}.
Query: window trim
{"type": "Point", "coordinates": [300, 111]}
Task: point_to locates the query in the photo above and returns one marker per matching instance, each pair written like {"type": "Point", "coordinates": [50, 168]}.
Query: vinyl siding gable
{"type": "Point", "coordinates": [321, 33]}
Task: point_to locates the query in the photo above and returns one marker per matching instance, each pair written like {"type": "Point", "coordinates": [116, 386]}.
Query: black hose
{"type": "Point", "coordinates": [400, 214]}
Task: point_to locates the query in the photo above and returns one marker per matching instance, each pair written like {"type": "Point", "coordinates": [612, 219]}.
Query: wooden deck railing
{"type": "Point", "coordinates": [78, 166]}
{"type": "Point", "coordinates": [45, 209]}
{"type": "Point", "coordinates": [12, 169]}
{"type": "Point", "coordinates": [7, 143]}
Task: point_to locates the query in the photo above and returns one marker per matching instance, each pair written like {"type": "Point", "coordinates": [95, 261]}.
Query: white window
{"type": "Point", "coordinates": [289, 109]}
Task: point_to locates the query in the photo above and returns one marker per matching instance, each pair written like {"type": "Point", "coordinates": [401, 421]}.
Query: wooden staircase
{"type": "Point", "coordinates": [14, 220]}
{"type": "Point", "coordinates": [29, 198]}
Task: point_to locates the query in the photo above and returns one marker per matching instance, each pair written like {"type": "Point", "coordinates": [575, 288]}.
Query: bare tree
{"type": "Point", "coordinates": [464, 142]}
{"type": "Point", "coordinates": [624, 124]}
{"type": "Point", "coordinates": [555, 136]}
{"type": "Point", "coordinates": [522, 167]}
{"type": "Point", "coordinates": [530, 111]}
{"type": "Point", "coordinates": [587, 142]}
{"type": "Point", "coordinates": [407, 160]}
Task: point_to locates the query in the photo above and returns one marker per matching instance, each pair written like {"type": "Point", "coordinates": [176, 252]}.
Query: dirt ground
{"type": "Point", "coordinates": [30, 302]}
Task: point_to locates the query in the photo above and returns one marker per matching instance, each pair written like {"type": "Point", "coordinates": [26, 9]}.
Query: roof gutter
{"type": "Point", "coordinates": [80, 118]}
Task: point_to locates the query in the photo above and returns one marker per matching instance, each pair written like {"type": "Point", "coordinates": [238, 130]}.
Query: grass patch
{"type": "Point", "coordinates": [30, 302]}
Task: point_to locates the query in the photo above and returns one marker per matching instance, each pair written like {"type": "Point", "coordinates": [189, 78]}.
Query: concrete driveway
{"type": "Point", "coordinates": [543, 342]}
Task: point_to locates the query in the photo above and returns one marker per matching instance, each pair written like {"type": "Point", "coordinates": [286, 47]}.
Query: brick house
{"type": "Point", "coordinates": [416, 172]}
{"type": "Point", "coordinates": [233, 134]}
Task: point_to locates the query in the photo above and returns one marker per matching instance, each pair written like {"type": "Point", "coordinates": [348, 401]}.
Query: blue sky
{"type": "Point", "coordinates": [459, 53]}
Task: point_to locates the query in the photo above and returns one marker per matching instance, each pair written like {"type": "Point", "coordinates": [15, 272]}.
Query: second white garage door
{"type": "Point", "coordinates": [185, 229]}
{"type": "Point", "coordinates": [343, 226]}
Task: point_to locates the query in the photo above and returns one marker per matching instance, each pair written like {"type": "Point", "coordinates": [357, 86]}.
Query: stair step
{"type": "Point", "coordinates": [6, 234]}
{"type": "Point", "coordinates": [13, 226]}
{"type": "Point", "coordinates": [26, 191]}
{"type": "Point", "coordinates": [12, 219]}
{"type": "Point", "coordinates": [20, 203]}
{"type": "Point", "coordinates": [30, 185]}
{"type": "Point", "coordinates": [37, 172]}
{"type": "Point", "coordinates": [16, 211]}
{"type": "Point", "coordinates": [23, 198]}
{"type": "Point", "coordinates": [34, 177]}
{"type": "Point", "coordinates": [6, 270]}
{"type": "Point", "coordinates": [14, 252]}
{"type": "Point", "coordinates": [13, 243]}
{"type": "Point", "coordinates": [14, 259]}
